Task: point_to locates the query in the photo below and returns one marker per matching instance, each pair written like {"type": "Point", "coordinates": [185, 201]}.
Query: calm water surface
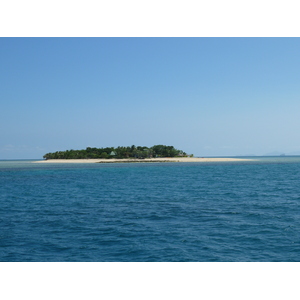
{"type": "Point", "coordinates": [246, 211]}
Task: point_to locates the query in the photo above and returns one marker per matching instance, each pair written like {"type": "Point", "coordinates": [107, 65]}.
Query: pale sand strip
{"type": "Point", "coordinates": [163, 159]}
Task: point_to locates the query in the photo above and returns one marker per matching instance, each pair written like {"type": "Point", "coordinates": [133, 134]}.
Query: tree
{"type": "Point", "coordinates": [119, 152]}
{"type": "Point", "coordinates": [104, 155]}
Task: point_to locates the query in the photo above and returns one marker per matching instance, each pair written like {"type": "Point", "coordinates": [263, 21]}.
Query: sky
{"type": "Point", "coordinates": [205, 96]}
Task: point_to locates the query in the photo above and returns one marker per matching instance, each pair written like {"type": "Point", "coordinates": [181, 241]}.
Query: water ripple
{"type": "Point", "coordinates": [164, 212]}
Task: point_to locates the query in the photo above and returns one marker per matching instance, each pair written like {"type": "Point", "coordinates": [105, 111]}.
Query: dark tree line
{"type": "Point", "coordinates": [119, 152]}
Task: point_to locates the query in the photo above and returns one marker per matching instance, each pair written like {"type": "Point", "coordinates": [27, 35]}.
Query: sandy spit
{"type": "Point", "coordinates": [163, 159]}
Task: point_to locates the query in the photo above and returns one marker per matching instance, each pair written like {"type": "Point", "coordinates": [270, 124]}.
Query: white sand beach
{"type": "Point", "coordinates": [161, 159]}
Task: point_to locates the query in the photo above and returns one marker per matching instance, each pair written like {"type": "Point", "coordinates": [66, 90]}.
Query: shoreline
{"type": "Point", "coordinates": [146, 160]}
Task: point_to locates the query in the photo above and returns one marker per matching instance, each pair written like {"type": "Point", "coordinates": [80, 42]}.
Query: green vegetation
{"type": "Point", "coordinates": [119, 152]}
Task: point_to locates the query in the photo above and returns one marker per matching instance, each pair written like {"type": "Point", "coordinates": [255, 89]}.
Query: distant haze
{"type": "Point", "coordinates": [206, 96]}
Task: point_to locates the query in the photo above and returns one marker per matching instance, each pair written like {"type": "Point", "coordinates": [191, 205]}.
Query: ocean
{"type": "Point", "coordinates": [151, 212]}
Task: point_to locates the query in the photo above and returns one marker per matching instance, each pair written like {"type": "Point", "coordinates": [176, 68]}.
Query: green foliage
{"type": "Point", "coordinates": [104, 155]}
{"type": "Point", "coordinates": [120, 152]}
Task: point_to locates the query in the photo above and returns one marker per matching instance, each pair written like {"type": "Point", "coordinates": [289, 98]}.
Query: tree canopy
{"type": "Point", "coordinates": [119, 152]}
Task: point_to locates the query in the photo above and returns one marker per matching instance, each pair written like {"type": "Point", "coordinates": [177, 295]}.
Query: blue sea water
{"type": "Point", "coordinates": [238, 211]}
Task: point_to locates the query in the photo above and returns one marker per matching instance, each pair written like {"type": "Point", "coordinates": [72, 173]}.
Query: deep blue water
{"type": "Point", "coordinates": [246, 211]}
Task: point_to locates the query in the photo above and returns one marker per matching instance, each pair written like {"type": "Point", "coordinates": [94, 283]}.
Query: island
{"type": "Point", "coordinates": [130, 154]}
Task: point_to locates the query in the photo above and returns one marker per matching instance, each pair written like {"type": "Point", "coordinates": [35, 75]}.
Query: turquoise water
{"type": "Point", "coordinates": [241, 211]}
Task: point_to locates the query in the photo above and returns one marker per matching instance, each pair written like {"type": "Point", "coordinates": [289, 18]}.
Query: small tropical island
{"type": "Point", "coordinates": [132, 152]}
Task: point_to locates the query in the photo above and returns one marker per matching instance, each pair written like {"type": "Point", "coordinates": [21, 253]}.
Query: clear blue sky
{"type": "Point", "coordinates": [206, 96]}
